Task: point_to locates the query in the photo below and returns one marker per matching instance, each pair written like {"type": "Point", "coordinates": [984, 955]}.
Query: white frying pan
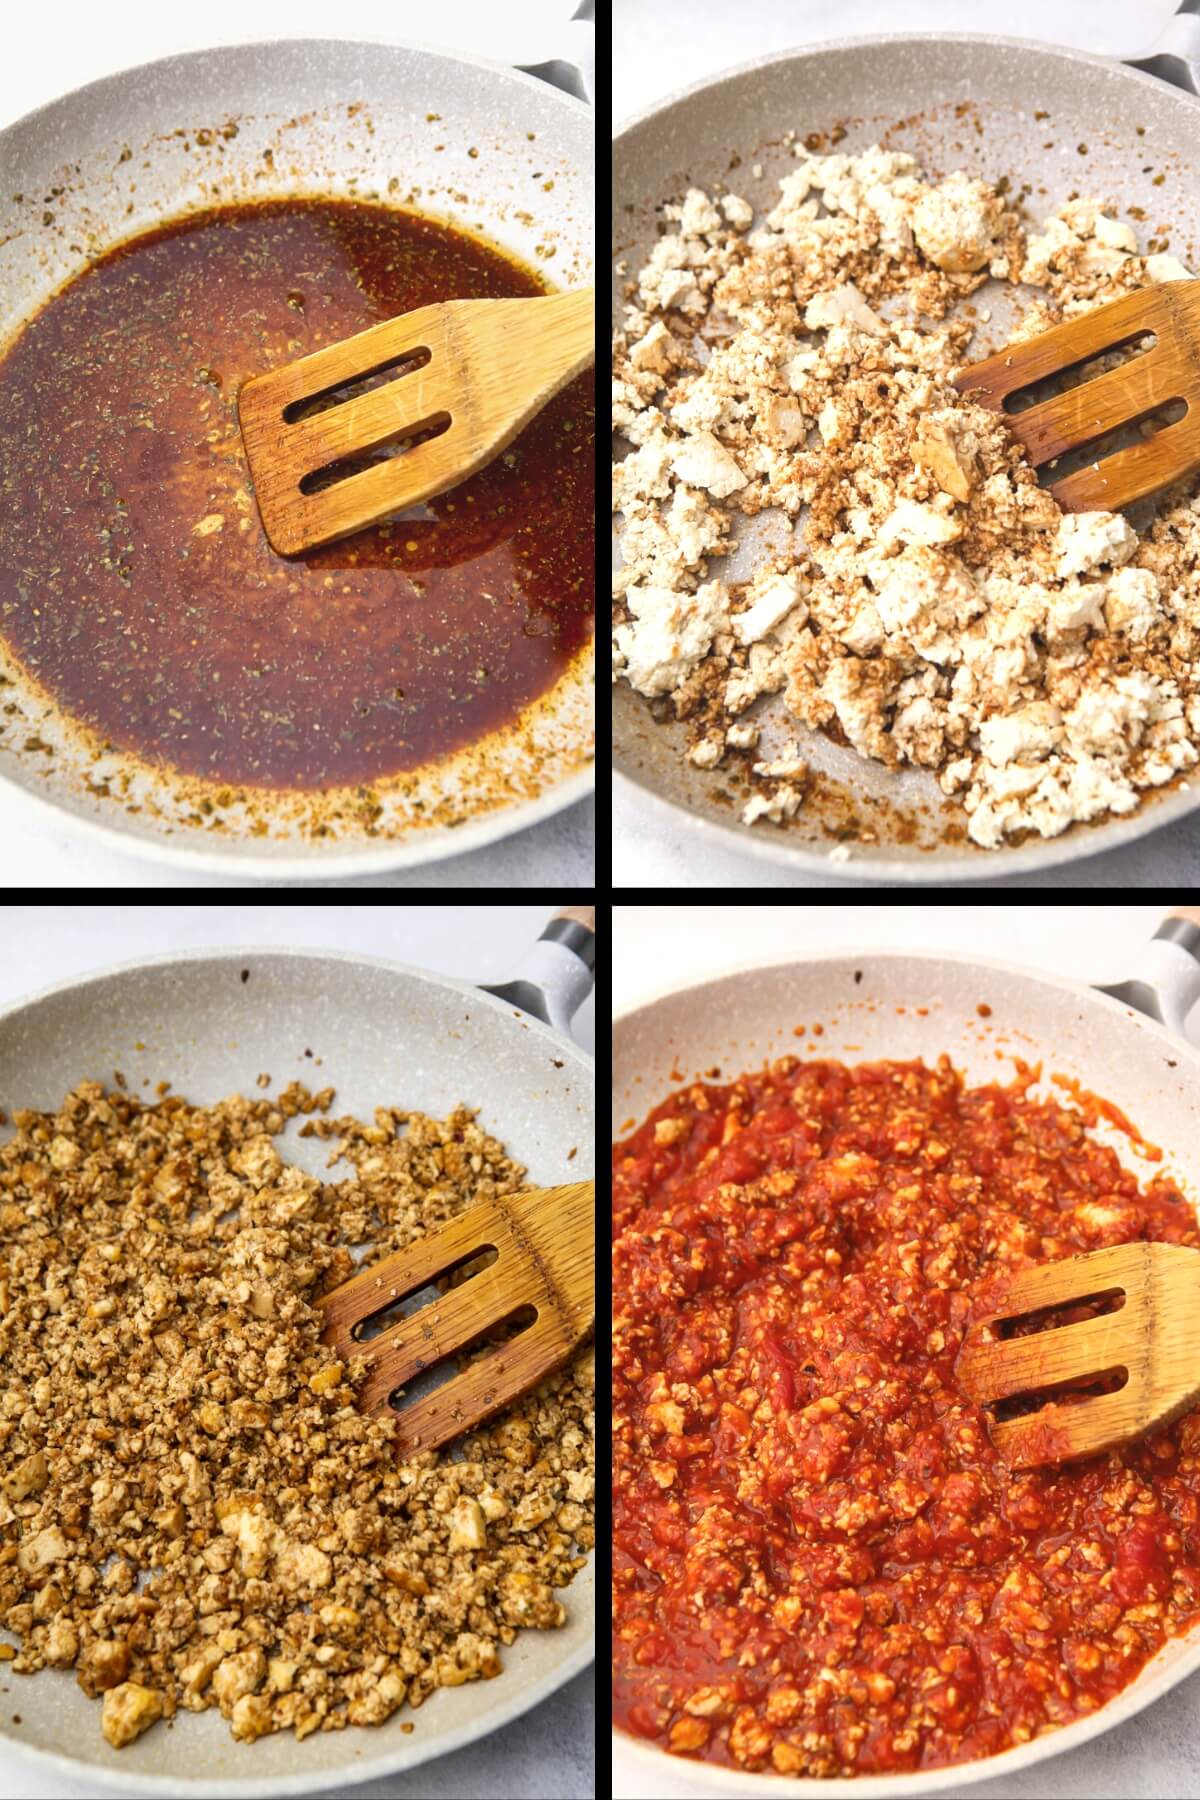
{"type": "Point", "coordinates": [511, 158]}
{"type": "Point", "coordinates": [210, 1023]}
{"type": "Point", "coordinates": [874, 1005]}
{"type": "Point", "coordinates": [956, 103]}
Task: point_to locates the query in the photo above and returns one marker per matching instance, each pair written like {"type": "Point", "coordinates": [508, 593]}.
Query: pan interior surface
{"type": "Point", "coordinates": [214, 1024]}
{"type": "Point", "coordinates": [1056, 124]}
{"type": "Point", "coordinates": [865, 1007]}
{"type": "Point", "coordinates": [493, 156]}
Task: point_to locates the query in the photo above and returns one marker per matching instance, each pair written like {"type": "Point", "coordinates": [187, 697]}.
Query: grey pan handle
{"type": "Point", "coordinates": [554, 977]}
{"type": "Point", "coordinates": [1175, 54]}
{"type": "Point", "coordinates": [1165, 984]}
{"type": "Point", "coordinates": [573, 70]}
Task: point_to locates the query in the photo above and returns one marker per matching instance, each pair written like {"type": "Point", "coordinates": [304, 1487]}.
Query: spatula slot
{"type": "Point", "coordinates": [330, 474]}
{"type": "Point", "coordinates": [326, 398]}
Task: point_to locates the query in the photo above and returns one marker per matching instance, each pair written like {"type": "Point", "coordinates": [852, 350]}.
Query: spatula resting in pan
{"type": "Point", "coordinates": [364, 428]}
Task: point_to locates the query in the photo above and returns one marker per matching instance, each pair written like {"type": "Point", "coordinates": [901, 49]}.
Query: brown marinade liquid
{"type": "Point", "coordinates": [136, 583]}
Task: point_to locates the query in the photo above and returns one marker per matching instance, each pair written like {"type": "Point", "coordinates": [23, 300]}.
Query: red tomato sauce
{"type": "Point", "coordinates": [821, 1566]}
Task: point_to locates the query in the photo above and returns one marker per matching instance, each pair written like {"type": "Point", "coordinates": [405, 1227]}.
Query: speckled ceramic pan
{"type": "Point", "coordinates": [491, 148]}
{"type": "Point", "coordinates": [210, 1023]}
{"type": "Point", "coordinates": [1123, 1042]}
{"type": "Point", "coordinates": [956, 103]}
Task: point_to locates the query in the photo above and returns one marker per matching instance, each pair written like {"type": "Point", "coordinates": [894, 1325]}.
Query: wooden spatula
{"type": "Point", "coordinates": [1153, 1340]}
{"type": "Point", "coordinates": [1120, 396]}
{"type": "Point", "coordinates": [544, 1245]}
{"type": "Point", "coordinates": [331, 450]}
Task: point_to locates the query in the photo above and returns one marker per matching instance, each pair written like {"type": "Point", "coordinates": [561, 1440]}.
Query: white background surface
{"type": "Point", "coordinates": [662, 45]}
{"type": "Point", "coordinates": [1155, 1756]}
{"type": "Point", "coordinates": [549, 1750]}
{"type": "Point", "coordinates": [47, 51]}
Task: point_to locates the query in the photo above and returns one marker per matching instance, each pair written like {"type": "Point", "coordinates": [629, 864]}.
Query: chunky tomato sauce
{"type": "Point", "coordinates": [821, 1566]}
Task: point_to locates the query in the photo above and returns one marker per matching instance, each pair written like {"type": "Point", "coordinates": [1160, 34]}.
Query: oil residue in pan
{"type": "Point", "coordinates": [136, 584]}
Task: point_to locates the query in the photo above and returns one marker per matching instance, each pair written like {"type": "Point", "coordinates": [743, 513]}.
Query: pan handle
{"type": "Point", "coordinates": [555, 975]}
{"type": "Point", "coordinates": [1166, 981]}
{"type": "Point", "coordinates": [1174, 57]}
{"type": "Point", "coordinates": [574, 68]}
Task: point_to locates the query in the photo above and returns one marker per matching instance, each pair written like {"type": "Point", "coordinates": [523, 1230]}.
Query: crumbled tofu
{"type": "Point", "coordinates": [842, 305]}
{"type": "Point", "coordinates": [29, 1477]}
{"type": "Point", "coordinates": [278, 1558]}
{"type": "Point", "coordinates": [704, 462]}
{"type": "Point", "coordinates": [956, 223]}
{"type": "Point", "coordinates": [1026, 735]}
{"type": "Point", "coordinates": [1114, 234]}
{"type": "Point", "coordinates": [1087, 540]}
{"type": "Point", "coordinates": [1132, 602]}
{"type": "Point", "coordinates": [707, 753]}
{"type": "Point", "coordinates": [698, 215]}
{"type": "Point", "coordinates": [1167, 268]}
{"type": "Point", "coordinates": [782, 803]}
{"type": "Point", "coordinates": [127, 1711]}
{"type": "Point", "coordinates": [783, 421]}
{"type": "Point", "coordinates": [771, 600]}
{"type": "Point", "coordinates": [763, 674]}
{"type": "Point", "coordinates": [789, 763]}
{"type": "Point", "coordinates": [668, 633]}
{"type": "Point", "coordinates": [936, 606]}
{"type": "Point", "coordinates": [909, 522]}
{"type": "Point", "coordinates": [657, 351]}
{"type": "Point", "coordinates": [42, 1550]}
{"type": "Point", "coordinates": [944, 448]}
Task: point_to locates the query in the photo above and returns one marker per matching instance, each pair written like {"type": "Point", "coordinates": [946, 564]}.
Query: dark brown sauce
{"type": "Point", "coordinates": [202, 649]}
